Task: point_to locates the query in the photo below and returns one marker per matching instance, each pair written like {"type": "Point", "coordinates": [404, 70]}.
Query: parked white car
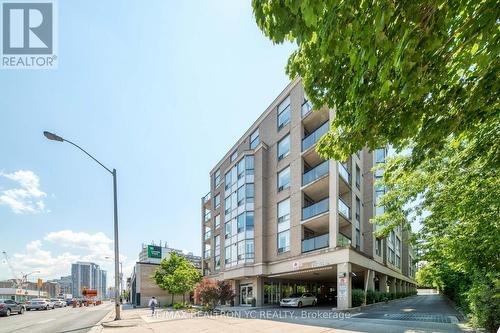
{"type": "Point", "coordinates": [299, 300]}
{"type": "Point", "coordinates": [39, 304]}
{"type": "Point", "coordinates": [58, 303]}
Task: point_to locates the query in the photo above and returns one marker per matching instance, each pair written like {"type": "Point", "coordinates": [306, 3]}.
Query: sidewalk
{"type": "Point", "coordinates": [168, 320]}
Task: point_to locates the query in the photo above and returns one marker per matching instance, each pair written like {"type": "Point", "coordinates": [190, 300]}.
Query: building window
{"type": "Point", "coordinates": [284, 179]}
{"type": "Point", "coordinates": [227, 180]}
{"type": "Point", "coordinates": [358, 177]}
{"type": "Point", "coordinates": [217, 221]}
{"type": "Point", "coordinates": [227, 255]}
{"type": "Point", "coordinates": [284, 241]}
{"type": "Point", "coordinates": [284, 226]}
{"type": "Point", "coordinates": [249, 165]}
{"type": "Point", "coordinates": [240, 168]}
{"type": "Point", "coordinates": [217, 201]}
{"type": "Point", "coordinates": [358, 209]}
{"type": "Point", "coordinates": [207, 232]}
{"type": "Point", "coordinates": [378, 247]}
{"type": "Point", "coordinates": [380, 155]}
{"type": "Point", "coordinates": [254, 139]}
{"type": "Point", "coordinates": [284, 147]}
{"type": "Point", "coordinates": [358, 239]}
{"type": "Point", "coordinates": [234, 156]}
{"type": "Point", "coordinates": [227, 205]}
{"type": "Point", "coordinates": [240, 222]}
{"type": "Point", "coordinates": [284, 211]}
{"type": "Point", "coordinates": [249, 192]}
{"type": "Point", "coordinates": [217, 262]}
{"type": "Point", "coordinates": [227, 230]}
{"type": "Point", "coordinates": [206, 253]}
{"type": "Point", "coordinates": [284, 113]}
{"type": "Point", "coordinates": [241, 195]}
{"type": "Point", "coordinates": [217, 178]}
{"type": "Point", "coordinates": [249, 249]}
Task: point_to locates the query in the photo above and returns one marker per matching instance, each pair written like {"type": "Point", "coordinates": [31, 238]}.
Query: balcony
{"type": "Point", "coordinates": [343, 240]}
{"type": "Point", "coordinates": [315, 243]}
{"type": "Point", "coordinates": [206, 199]}
{"type": "Point", "coordinates": [344, 173]}
{"type": "Point", "coordinates": [208, 216]}
{"type": "Point", "coordinates": [315, 209]}
{"type": "Point", "coordinates": [207, 235]}
{"type": "Point", "coordinates": [312, 138]}
{"type": "Point", "coordinates": [315, 173]}
{"type": "Point", "coordinates": [344, 209]}
{"type": "Point", "coordinates": [306, 108]}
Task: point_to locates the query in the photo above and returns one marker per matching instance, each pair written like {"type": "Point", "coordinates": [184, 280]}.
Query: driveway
{"type": "Point", "coordinates": [423, 313]}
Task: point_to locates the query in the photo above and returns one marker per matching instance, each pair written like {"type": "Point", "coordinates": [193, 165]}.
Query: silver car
{"type": "Point", "coordinates": [39, 304]}
{"type": "Point", "coordinates": [299, 300]}
{"type": "Point", "coordinates": [58, 303]}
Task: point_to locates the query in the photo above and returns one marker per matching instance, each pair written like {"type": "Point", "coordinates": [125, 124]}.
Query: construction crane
{"type": "Point", "coordinates": [18, 282]}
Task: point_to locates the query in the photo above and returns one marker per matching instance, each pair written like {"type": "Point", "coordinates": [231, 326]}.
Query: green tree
{"type": "Point", "coordinates": [176, 275]}
{"type": "Point", "coordinates": [395, 71]}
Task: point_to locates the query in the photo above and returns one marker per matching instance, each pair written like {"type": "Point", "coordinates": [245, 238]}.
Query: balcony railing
{"type": "Point", "coordinates": [206, 198]}
{"type": "Point", "coordinates": [315, 173]}
{"type": "Point", "coordinates": [319, 207]}
{"type": "Point", "coordinates": [315, 243]}
{"type": "Point", "coordinates": [312, 138]}
{"type": "Point", "coordinates": [344, 173]}
{"type": "Point", "coordinates": [342, 240]}
{"type": "Point", "coordinates": [306, 108]}
{"type": "Point", "coordinates": [344, 209]}
{"type": "Point", "coordinates": [208, 216]}
{"type": "Point", "coordinates": [207, 235]}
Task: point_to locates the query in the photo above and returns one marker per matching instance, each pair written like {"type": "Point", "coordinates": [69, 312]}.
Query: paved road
{"type": "Point", "coordinates": [61, 320]}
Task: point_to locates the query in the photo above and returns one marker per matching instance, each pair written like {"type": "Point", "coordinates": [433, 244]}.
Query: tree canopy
{"type": "Point", "coordinates": [176, 275]}
{"type": "Point", "coordinates": [394, 70]}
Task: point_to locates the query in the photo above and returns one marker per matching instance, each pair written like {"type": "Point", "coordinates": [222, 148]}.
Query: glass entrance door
{"type": "Point", "coordinates": [246, 294]}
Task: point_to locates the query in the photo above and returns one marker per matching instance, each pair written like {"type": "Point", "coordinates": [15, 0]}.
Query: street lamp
{"type": "Point", "coordinates": [121, 275]}
{"type": "Point", "coordinates": [54, 137]}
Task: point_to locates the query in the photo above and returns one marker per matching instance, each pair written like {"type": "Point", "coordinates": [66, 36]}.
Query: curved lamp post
{"type": "Point", "coordinates": [54, 137]}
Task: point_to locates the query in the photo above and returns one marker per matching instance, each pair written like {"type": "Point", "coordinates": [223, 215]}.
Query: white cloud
{"type": "Point", "coordinates": [28, 197]}
{"type": "Point", "coordinates": [74, 246]}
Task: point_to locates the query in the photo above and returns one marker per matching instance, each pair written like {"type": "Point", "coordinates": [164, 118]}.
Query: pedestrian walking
{"type": "Point", "coordinates": [152, 304]}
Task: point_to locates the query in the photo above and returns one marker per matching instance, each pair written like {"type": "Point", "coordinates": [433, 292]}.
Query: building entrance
{"type": "Point", "coordinates": [246, 294]}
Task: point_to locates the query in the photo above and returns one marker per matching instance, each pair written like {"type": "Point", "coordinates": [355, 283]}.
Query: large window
{"type": "Point", "coordinates": [358, 177]}
{"type": "Point", "coordinates": [254, 139]}
{"type": "Point", "coordinates": [234, 156]}
{"type": "Point", "coordinates": [358, 209]}
{"type": "Point", "coordinates": [217, 178]}
{"type": "Point", "coordinates": [217, 201]}
{"type": "Point", "coordinates": [284, 113]}
{"type": "Point", "coordinates": [217, 221]}
{"type": "Point", "coordinates": [241, 168]}
{"type": "Point", "coordinates": [284, 211]}
{"type": "Point", "coordinates": [378, 247]}
{"type": "Point", "coordinates": [284, 179]}
{"type": "Point", "coordinates": [227, 230]}
{"type": "Point", "coordinates": [227, 180]}
{"type": "Point", "coordinates": [284, 226]}
{"type": "Point", "coordinates": [227, 204]}
{"type": "Point", "coordinates": [284, 147]}
{"type": "Point", "coordinates": [227, 254]}
{"type": "Point", "coordinates": [380, 155]}
{"type": "Point", "coordinates": [284, 241]}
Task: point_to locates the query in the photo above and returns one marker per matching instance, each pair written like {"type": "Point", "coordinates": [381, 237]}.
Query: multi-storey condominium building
{"type": "Point", "coordinates": [280, 219]}
{"type": "Point", "coordinates": [87, 275]}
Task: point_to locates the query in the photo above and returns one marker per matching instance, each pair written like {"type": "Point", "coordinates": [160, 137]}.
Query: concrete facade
{"type": "Point", "coordinates": [280, 219]}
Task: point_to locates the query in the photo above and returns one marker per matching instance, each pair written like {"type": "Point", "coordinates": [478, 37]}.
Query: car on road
{"type": "Point", "coordinates": [299, 300]}
{"type": "Point", "coordinates": [39, 304]}
{"type": "Point", "coordinates": [8, 306]}
{"type": "Point", "coordinates": [58, 303]}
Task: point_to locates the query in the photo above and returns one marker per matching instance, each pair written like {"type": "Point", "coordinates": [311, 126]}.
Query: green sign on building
{"type": "Point", "coordinates": [154, 251]}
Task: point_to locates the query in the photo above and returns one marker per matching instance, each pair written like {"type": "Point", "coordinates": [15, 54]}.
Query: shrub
{"type": "Point", "coordinates": [371, 296]}
{"type": "Point", "coordinates": [357, 297]}
{"type": "Point", "coordinates": [178, 306]}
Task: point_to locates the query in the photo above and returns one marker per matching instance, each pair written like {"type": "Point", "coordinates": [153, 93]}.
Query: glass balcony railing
{"type": "Point", "coordinates": [342, 240]}
{"type": "Point", "coordinates": [306, 108]}
{"type": "Point", "coordinates": [344, 173]}
{"type": "Point", "coordinates": [315, 173]}
{"type": "Point", "coordinates": [315, 243]}
{"type": "Point", "coordinates": [312, 138]}
{"type": "Point", "coordinates": [319, 207]}
{"type": "Point", "coordinates": [206, 198]}
{"type": "Point", "coordinates": [344, 209]}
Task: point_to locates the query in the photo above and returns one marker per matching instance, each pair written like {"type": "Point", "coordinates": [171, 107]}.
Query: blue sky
{"type": "Point", "coordinates": [159, 90]}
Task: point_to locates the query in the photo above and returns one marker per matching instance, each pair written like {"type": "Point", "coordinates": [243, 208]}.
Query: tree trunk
{"type": "Point", "coordinates": [184, 298]}
{"type": "Point", "coordinates": [172, 300]}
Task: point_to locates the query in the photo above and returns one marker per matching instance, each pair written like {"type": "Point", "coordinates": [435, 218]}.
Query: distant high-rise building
{"type": "Point", "coordinates": [87, 275]}
{"type": "Point", "coordinates": [65, 285]}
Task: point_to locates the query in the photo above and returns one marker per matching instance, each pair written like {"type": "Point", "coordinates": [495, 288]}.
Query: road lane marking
{"type": "Point", "coordinates": [45, 321]}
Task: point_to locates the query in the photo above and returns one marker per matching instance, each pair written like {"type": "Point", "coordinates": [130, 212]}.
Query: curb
{"type": "Point", "coordinates": [361, 307]}
{"type": "Point", "coordinates": [98, 326]}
